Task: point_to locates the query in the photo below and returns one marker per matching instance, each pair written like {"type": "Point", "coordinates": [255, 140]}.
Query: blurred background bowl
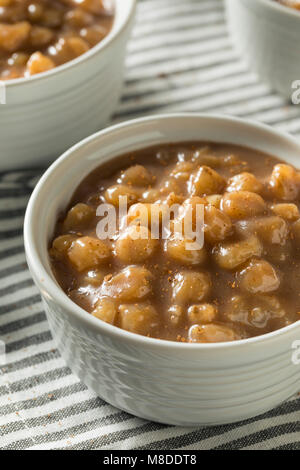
{"type": "Point", "coordinates": [267, 35]}
{"type": "Point", "coordinates": [47, 113]}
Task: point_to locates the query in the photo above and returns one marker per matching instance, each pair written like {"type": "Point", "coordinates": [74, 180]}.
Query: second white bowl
{"type": "Point", "coordinates": [47, 113]}
{"type": "Point", "coordinates": [267, 35]}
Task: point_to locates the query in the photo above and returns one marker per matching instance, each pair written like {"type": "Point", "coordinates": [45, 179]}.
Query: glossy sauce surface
{"type": "Point", "coordinates": [243, 282]}
{"type": "Point", "coordinates": [38, 35]}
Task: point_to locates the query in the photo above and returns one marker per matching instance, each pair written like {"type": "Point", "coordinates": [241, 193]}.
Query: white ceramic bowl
{"type": "Point", "coordinates": [267, 35]}
{"type": "Point", "coordinates": [169, 382]}
{"type": "Point", "coordinates": [47, 113]}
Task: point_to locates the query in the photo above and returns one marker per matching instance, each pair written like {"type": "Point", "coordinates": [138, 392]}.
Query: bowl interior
{"type": "Point", "coordinates": [56, 187]}
{"type": "Point", "coordinates": [124, 10]}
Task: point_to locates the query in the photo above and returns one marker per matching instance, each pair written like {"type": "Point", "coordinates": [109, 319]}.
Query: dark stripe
{"type": "Point", "coordinates": [32, 361]}
{"type": "Point", "coordinates": [56, 416]}
{"type": "Point", "coordinates": [154, 107]}
{"type": "Point", "coordinates": [169, 42]}
{"type": "Point", "coordinates": [28, 175]}
{"type": "Point", "coordinates": [35, 170]}
{"type": "Point", "coordinates": [139, 96]}
{"type": "Point", "coordinates": [52, 394]}
{"type": "Point", "coordinates": [22, 323]}
{"type": "Point", "coordinates": [16, 287]}
{"type": "Point", "coordinates": [15, 192]}
{"type": "Point", "coordinates": [217, 431]}
{"type": "Point", "coordinates": [194, 68]}
{"type": "Point", "coordinates": [17, 268]}
{"type": "Point", "coordinates": [20, 304]}
{"type": "Point", "coordinates": [118, 436]}
{"type": "Point", "coordinates": [188, 54]}
{"type": "Point", "coordinates": [72, 431]}
{"type": "Point", "coordinates": [291, 446]}
{"type": "Point", "coordinates": [151, 108]}
{"type": "Point", "coordinates": [174, 13]}
{"type": "Point", "coordinates": [15, 232]}
{"type": "Point", "coordinates": [33, 340]}
{"type": "Point", "coordinates": [261, 436]}
{"type": "Point", "coordinates": [11, 213]}
{"type": "Point", "coordinates": [179, 28]}
{"type": "Point", "coordinates": [36, 380]}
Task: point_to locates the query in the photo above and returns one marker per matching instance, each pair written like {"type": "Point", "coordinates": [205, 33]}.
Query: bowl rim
{"type": "Point", "coordinates": [280, 8]}
{"type": "Point", "coordinates": [47, 284]}
{"type": "Point", "coordinates": [106, 42]}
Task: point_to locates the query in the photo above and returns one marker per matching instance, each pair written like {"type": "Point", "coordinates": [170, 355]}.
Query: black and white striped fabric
{"type": "Point", "coordinates": [180, 59]}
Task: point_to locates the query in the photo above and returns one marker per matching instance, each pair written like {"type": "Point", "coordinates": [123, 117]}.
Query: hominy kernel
{"type": "Point", "coordinates": [206, 181]}
{"type": "Point", "coordinates": [106, 310]}
{"type": "Point", "coordinates": [87, 252]}
{"type": "Point", "coordinates": [231, 255]}
{"type": "Point", "coordinates": [259, 277]}
{"type": "Point", "coordinates": [284, 182]}
{"type": "Point", "coordinates": [141, 318]}
{"type": "Point", "coordinates": [191, 287]}
{"type": "Point", "coordinates": [242, 204]}
{"type": "Point", "coordinates": [211, 333]}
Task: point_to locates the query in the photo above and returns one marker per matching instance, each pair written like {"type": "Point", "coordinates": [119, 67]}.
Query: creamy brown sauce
{"type": "Point", "coordinates": [244, 282]}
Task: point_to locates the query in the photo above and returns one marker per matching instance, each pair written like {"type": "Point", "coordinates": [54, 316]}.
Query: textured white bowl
{"type": "Point", "coordinates": [175, 383]}
{"type": "Point", "coordinates": [267, 35]}
{"type": "Point", "coordinates": [47, 113]}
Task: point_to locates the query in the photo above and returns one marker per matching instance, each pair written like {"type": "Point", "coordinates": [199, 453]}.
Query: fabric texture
{"type": "Point", "coordinates": [180, 58]}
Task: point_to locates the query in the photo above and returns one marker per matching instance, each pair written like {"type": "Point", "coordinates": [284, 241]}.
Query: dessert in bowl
{"type": "Point", "coordinates": [180, 338]}
{"type": "Point", "coordinates": [61, 67]}
{"type": "Point", "coordinates": [38, 36]}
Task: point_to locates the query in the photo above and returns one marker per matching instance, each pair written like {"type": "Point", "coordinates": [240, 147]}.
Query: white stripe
{"type": "Point", "coordinates": [48, 428]}
{"type": "Point", "coordinates": [41, 389]}
{"type": "Point", "coordinates": [31, 351]}
{"type": "Point", "coordinates": [56, 405]}
{"type": "Point", "coordinates": [96, 433]}
{"type": "Point", "coordinates": [275, 441]}
{"type": "Point", "coordinates": [7, 203]}
{"type": "Point", "coordinates": [178, 50]}
{"type": "Point", "coordinates": [14, 279]}
{"type": "Point", "coordinates": [24, 333]}
{"type": "Point", "coordinates": [180, 65]}
{"type": "Point", "coordinates": [148, 437]}
{"type": "Point", "coordinates": [194, 91]}
{"type": "Point", "coordinates": [20, 295]}
{"type": "Point", "coordinates": [12, 261]}
{"type": "Point", "coordinates": [11, 224]}
{"type": "Point", "coordinates": [154, 11]}
{"type": "Point", "coordinates": [21, 313]}
{"type": "Point", "coordinates": [243, 431]}
{"type": "Point", "coordinates": [184, 79]}
{"type": "Point", "coordinates": [172, 39]}
{"type": "Point", "coordinates": [33, 371]}
{"type": "Point", "coordinates": [14, 242]}
{"type": "Point", "coordinates": [177, 23]}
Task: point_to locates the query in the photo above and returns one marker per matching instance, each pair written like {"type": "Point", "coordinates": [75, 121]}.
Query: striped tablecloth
{"type": "Point", "coordinates": [180, 59]}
